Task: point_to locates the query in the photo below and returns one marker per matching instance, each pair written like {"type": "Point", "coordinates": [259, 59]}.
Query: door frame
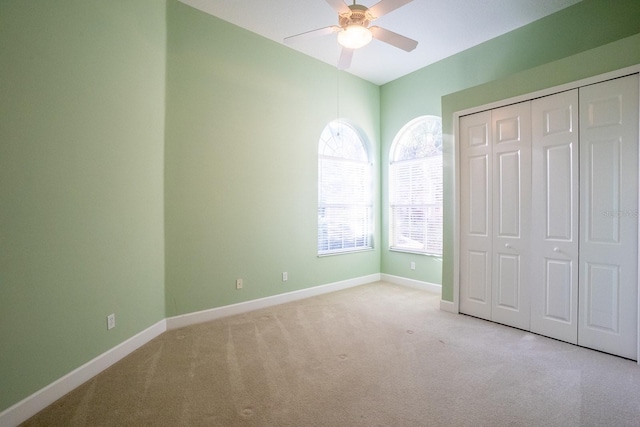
{"type": "Point", "coordinates": [455, 305]}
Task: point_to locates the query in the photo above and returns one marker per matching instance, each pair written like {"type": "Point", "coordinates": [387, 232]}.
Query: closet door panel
{"type": "Point", "coordinates": [609, 216]}
{"type": "Point", "coordinates": [554, 226]}
{"type": "Point", "coordinates": [511, 213]}
{"type": "Point", "coordinates": [559, 300]}
{"type": "Point", "coordinates": [508, 282]}
{"type": "Point", "coordinates": [475, 215]}
{"type": "Point", "coordinates": [603, 168]}
{"type": "Point", "coordinates": [509, 186]}
{"type": "Point", "coordinates": [478, 288]}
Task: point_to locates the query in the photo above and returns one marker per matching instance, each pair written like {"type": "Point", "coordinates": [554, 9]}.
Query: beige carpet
{"type": "Point", "coordinates": [375, 355]}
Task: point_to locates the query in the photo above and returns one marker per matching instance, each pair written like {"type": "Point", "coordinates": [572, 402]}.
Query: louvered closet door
{"type": "Point", "coordinates": [511, 214]}
{"type": "Point", "coordinates": [475, 214]}
{"type": "Point", "coordinates": [554, 223]}
{"type": "Point", "coordinates": [609, 216]}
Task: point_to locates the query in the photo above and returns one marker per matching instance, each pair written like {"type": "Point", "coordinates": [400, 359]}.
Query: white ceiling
{"type": "Point", "coordinates": [441, 27]}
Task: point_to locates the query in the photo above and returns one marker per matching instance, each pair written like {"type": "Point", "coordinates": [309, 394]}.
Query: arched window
{"type": "Point", "coordinates": [345, 202]}
{"type": "Point", "coordinates": [415, 187]}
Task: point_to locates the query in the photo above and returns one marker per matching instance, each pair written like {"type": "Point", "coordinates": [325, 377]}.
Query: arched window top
{"type": "Point", "coordinates": [421, 137]}
{"type": "Point", "coordinates": [339, 139]}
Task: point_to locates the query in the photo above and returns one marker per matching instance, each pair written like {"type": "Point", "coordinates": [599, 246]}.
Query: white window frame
{"type": "Point", "coordinates": [416, 188]}
{"type": "Point", "coordinates": [345, 191]}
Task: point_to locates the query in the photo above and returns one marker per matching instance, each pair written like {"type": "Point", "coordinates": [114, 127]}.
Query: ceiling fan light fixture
{"type": "Point", "coordinates": [354, 36]}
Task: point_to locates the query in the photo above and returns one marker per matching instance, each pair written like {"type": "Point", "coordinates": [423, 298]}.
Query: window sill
{"type": "Point", "coordinates": [408, 251]}
{"type": "Point", "coordinates": [344, 252]}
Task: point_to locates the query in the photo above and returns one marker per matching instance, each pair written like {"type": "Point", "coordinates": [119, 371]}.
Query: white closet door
{"type": "Point", "coordinates": [511, 214]}
{"type": "Point", "coordinates": [554, 223]}
{"type": "Point", "coordinates": [475, 214]}
{"type": "Point", "coordinates": [609, 216]}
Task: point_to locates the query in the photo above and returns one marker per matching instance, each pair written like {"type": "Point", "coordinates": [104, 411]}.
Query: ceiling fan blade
{"type": "Point", "coordinates": [394, 39]}
{"type": "Point", "coordinates": [339, 5]}
{"type": "Point", "coordinates": [345, 58]}
{"type": "Point", "coordinates": [312, 34]}
{"type": "Point", "coordinates": [385, 6]}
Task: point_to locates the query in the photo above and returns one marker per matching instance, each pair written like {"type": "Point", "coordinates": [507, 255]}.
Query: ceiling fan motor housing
{"type": "Point", "coordinates": [359, 15]}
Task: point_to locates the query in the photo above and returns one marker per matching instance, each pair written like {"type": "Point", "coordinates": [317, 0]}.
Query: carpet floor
{"type": "Point", "coordinates": [373, 355]}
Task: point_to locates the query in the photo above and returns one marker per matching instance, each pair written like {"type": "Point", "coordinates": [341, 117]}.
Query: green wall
{"type": "Point", "coordinates": [565, 34]}
{"type": "Point", "coordinates": [81, 192]}
{"type": "Point", "coordinates": [244, 118]}
{"type": "Point", "coordinates": [151, 154]}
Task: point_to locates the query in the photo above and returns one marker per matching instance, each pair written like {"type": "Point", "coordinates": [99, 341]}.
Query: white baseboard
{"type": "Point", "coordinates": [243, 307]}
{"type": "Point", "coordinates": [33, 404]}
{"type": "Point", "coordinates": [448, 306]}
{"type": "Point", "coordinates": [412, 283]}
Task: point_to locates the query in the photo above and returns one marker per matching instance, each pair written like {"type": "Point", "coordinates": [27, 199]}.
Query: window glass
{"type": "Point", "coordinates": [345, 202]}
{"type": "Point", "coordinates": [415, 187]}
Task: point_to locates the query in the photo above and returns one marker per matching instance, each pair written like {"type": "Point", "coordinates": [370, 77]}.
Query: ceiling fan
{"type": "Point", "coordinates": [354, 31]}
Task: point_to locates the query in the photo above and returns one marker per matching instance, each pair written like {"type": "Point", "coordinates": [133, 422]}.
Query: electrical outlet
{"type": "Point", "coordinates": [285, 276]}
{"type": "Point", "coordinates": [239, 283]}
{"type": "Point", "coordinates": [413, 265]}
{"type": "Point", "coordinates": [111, 321]}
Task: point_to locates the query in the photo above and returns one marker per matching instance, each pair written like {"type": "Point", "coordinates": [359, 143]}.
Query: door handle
{"type": "Point", "coordinates": [556, 250]}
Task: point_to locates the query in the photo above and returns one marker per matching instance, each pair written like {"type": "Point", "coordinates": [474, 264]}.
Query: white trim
{"type": "Point", "coordinates": [456, 217]}
{"type": "Point", "coordinates": [448, 306]}
{"type": "Point", "coordinates": [44, 397]}
{"type": "Point", "coordinates": [183, 320]}
{"type": "Point", "coordinates": [411, 283]}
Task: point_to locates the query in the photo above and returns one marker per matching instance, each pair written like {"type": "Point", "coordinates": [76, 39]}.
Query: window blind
{"type": "Point", "coordinates": [416, 195]}
{"type": "Point", "coordinates": [345, 203]}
